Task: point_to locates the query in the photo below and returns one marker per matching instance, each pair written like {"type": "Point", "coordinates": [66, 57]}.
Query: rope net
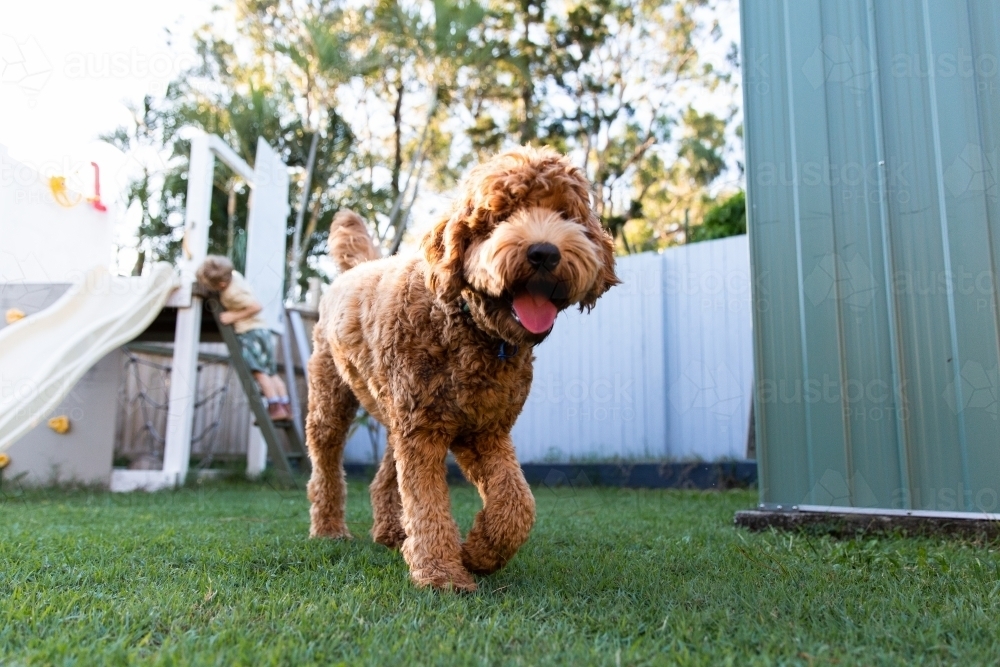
{"type": "Point", "coordinates": [144, 403]}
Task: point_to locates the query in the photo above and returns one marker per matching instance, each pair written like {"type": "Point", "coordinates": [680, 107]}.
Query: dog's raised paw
{"type": "Point", "coordinates": [458, 580]}
{"type": "Point", "coordinates": [478, 558]}
{"type": "Point", "coordinates": [389, 537]}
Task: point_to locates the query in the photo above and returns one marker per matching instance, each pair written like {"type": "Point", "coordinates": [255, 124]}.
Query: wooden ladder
{"type": "Point", "coordinates": [280, 458]}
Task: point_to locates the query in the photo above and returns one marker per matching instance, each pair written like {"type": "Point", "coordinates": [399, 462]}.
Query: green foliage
{"type": "Point", "coordinates": [602, 81]}
{"type": "Point", "coordinates": [157, 236]}
{"type": "Point", "coordinates": [405, 96]}
{"type": "Point", "coordinates": [728, 218]}
{"type": "Point", "coordinates": [676, 193]}
{"type": "Point", "coordinates": [218, 95]}
{"type": "Point", "coordinates": [226, 574]}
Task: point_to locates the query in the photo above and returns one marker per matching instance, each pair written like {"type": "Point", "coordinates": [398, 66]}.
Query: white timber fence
{"type": "Point", "coordinates": [660, 370]}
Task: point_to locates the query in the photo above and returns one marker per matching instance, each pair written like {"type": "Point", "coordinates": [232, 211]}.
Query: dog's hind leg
{"type": "Point", "coordinates": [508, 513]}
{"type": "Point", "coordinates": [432, 547]}
{"type": "Point", "coordinates": [387, 507]}
{"type": "Point", "coordinates": [332, 407]}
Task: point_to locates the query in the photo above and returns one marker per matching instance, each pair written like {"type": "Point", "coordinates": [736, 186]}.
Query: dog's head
{"type": "Point", "coordinates": [522, 244]}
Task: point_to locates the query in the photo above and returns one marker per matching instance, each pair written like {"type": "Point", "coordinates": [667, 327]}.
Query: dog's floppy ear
{"type": "Point", "coordinates": [492, 189]}
{"type": "Point", "coordinates": [605, 245]}
{"type": "Point", "coordinates": [444, 248]}
{"type": "Point", "coordinates": [575, 187]}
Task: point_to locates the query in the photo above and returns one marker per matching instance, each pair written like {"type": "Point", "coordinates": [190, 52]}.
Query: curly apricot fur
{"type": "Point", "coordinates": [416, 342]}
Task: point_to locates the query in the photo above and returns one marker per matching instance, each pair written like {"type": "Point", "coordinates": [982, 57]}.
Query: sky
{"type": "Point", "coordinates": [67, 70]}
{"type": "Point", "coordinates": [68, 66]}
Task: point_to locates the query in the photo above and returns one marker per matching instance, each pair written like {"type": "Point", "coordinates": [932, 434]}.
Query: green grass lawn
{"type": "Point", "coordinates": [224, 574]}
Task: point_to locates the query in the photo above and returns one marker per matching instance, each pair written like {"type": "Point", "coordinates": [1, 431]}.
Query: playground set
{"type": "Point", "coordinates": [67, 317]}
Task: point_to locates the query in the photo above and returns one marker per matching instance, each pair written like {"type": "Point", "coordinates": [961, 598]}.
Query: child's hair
{"type": "Point", "coordinates": [215, 272]}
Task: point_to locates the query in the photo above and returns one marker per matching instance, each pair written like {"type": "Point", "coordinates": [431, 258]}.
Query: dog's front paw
{"type": "Point", "coordinates": [389, 536]}
{"type": "Point", "coordinates": [479, 558]}
{"type": "Point", "coordinates": [445, 579]}
{"type": "Point", "coordinates": [333, 532]}
{"type": "Point", "coordinates": [327, 522]}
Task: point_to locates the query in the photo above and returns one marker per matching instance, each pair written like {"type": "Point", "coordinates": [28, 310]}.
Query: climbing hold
{"type": "Point", "coordinates": [13, 315]}
{"type": "Point", "coordinates": [60, 424]}
{"type": "Point", "coordinates": [4, 461]}
{"type": "Point", "coordinates": [61, 193]}
{"type": "Point", "coordinates": [57, 184]}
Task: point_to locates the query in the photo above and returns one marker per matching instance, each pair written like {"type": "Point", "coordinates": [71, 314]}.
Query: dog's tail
{"type": "Point", "coordinates": [350, 243]}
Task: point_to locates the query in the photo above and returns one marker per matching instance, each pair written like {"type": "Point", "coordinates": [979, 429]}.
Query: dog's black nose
{"type": "Point", "coordinates": [543, 256]}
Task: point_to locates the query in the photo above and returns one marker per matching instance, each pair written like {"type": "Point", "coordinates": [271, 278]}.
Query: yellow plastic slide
{"type": "Point", "coordinates": [43, 355]}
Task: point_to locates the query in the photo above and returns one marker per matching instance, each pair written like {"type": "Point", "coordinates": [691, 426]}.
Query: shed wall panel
{"type": "Point", "coordinates": [875, 249]}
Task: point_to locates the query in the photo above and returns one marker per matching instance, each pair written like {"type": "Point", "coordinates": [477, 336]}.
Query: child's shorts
{"type": "Point", "coordinates": [258, 351]}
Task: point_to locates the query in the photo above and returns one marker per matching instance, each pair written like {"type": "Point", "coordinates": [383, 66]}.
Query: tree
{"type": "Point", "coordinates": [155, 236]}
{"type": "Point", "coordinates": [605, 80]}
{"type": "Point", "coordinates": [674, 194]}
{"type": "Point", "coordinates": [373, 105]}
{"type": "Point", "coordinates": [728, 218]}
{"type": "Point", "coordinates": [240, 103]}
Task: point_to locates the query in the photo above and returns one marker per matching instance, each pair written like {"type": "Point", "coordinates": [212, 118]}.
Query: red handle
{"type": "Point", "coordinates": [97, 188]}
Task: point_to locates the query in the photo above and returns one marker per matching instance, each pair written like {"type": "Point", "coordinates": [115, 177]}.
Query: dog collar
{"type": "Point", "coordinates": [507, 350]}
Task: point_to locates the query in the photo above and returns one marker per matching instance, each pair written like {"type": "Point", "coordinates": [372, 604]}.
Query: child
{"type": "Point", "coordinates": [241, 310]}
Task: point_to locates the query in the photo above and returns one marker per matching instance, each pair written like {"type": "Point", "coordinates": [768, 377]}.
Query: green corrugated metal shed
{"type": "Point", "coordinates": [872, 133]}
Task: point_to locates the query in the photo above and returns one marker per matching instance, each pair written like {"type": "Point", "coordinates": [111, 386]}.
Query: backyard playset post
{"type": "Point", "coordinates": [184, 369]}
{"type": "Point", "coordinates": [264, 270]}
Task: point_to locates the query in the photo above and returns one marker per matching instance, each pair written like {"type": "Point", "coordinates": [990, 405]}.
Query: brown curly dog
{"type": "Point", "coordinates": [438, 348]}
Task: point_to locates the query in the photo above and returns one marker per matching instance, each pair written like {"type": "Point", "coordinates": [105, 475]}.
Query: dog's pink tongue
{"type": "Point", "coordinates": [537, 314]}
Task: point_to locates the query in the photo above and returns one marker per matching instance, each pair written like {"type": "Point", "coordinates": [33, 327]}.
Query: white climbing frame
{"type": "Point", "coordinates": [264, 271]}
